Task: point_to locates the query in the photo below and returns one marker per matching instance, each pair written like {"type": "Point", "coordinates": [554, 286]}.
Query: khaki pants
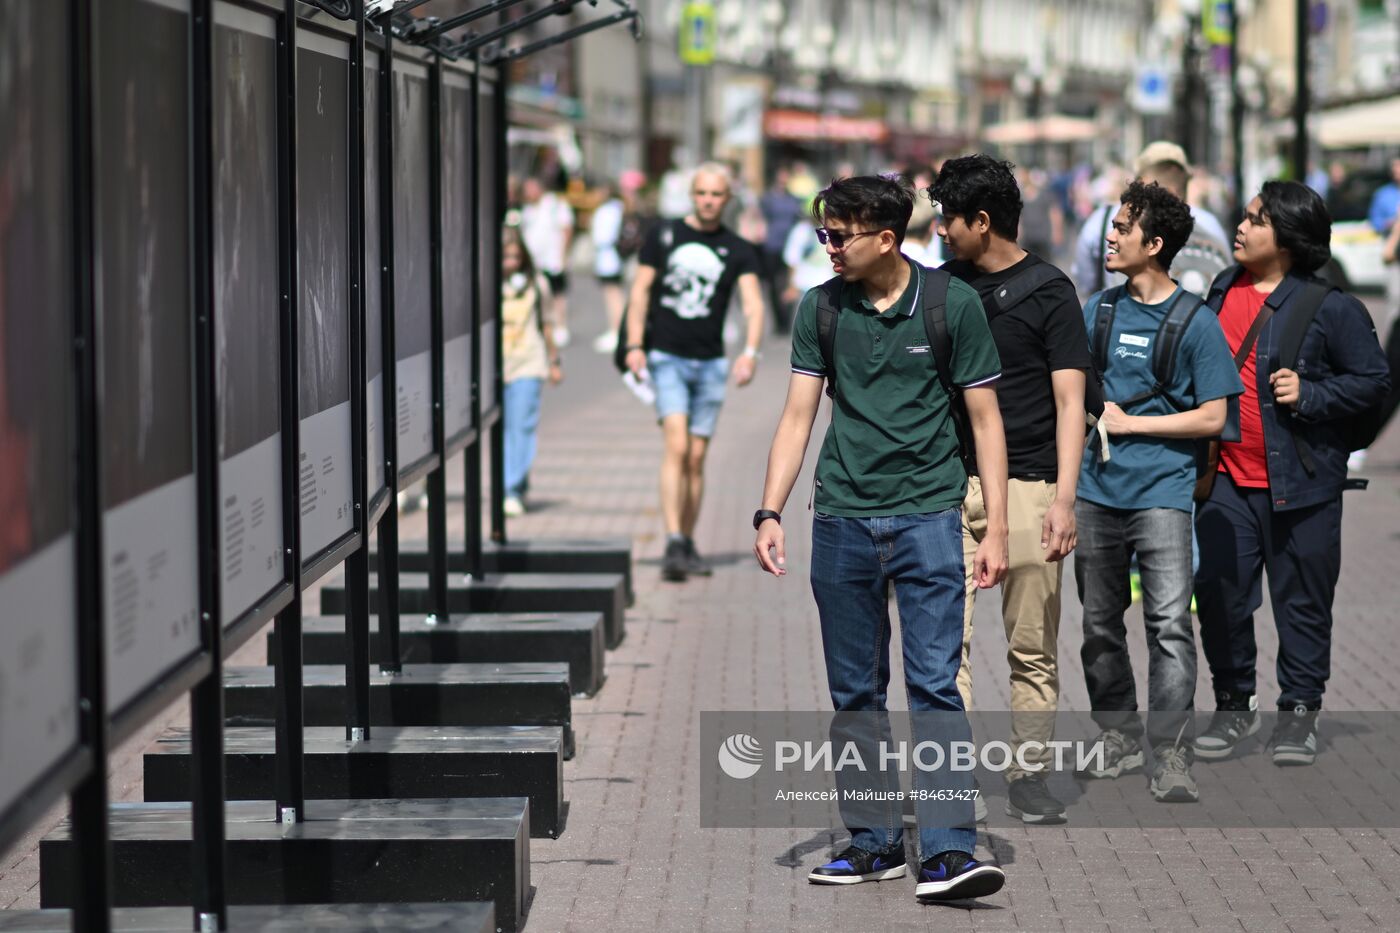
{"type": "Point", "coordinates": [1030, 606]}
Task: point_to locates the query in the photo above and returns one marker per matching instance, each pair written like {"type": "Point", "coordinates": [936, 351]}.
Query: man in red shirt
{"type": "Point", "coordinates": [1276, 503]}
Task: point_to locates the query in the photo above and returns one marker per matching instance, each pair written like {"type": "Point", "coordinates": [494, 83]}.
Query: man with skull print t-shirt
{"type": "Point", "coordinates": [675, 330]}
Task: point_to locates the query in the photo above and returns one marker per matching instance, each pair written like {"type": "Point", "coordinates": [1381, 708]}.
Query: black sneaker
{"type": "Point", "coordinates": [1122, 754]}
{"type": "Point", "coordinates": [855, 865]}
{"type": "Point", "coordinates": [1236, 719]}
{"type": "Point", "coordinates": [1294, 740]}
{"type": "Point", "coordinates": [695, 565]}
{"type": "Point", "coordinates": [673, 565]}
{"type": "Point", "coordinates": [1030, 801]}
{"type": "Point", "coordinates": [953, 876]}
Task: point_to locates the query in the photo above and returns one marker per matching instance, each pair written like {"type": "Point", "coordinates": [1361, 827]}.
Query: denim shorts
{"type": "Point", "coordinates": [694, 388]}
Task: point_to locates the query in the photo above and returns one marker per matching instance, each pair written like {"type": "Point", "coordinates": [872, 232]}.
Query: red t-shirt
{"type": "Point", "coordinates": [1247, 461]}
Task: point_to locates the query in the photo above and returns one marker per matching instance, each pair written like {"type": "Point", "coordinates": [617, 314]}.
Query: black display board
{"type": "Point", "coordinates": [374, 289]}
{"type": "Point", "coordinates": [412, 265]}
{"type": "Point", "coordinates": [489, 223]}
{"type": "Point", "coordinates": [455, 115]}
{"type": "Point", "coordinates": [38, 612]}
{"type": "Point", "coordinates": [325, 462]}
{"type": "Point", "coordinates": [143, 299]}
{"type": "Point", "coordinates": [247, 307]}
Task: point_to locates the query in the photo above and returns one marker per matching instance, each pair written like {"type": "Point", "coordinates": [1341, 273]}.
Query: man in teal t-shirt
{"type": "Point", "coordinates": [1135, 497]}
{"type": "Point", "coordinates": [890, 486]}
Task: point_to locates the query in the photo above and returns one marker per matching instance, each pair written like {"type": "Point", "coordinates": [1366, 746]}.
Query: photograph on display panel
{"type": "Point", "coordinates": [247, 292]}
{"type": "Point", "coordinates": [144, 336]}
{"type": "Point", "coordinates": [374, 286]}
{"type": "Point", "coordinates": [457, 256]}
{"type": "Point", "coordinates": [412, 264]}
{"type": "Point", "coordinates": [325, 463]}
{"type": "Point", "coordinates": [38, 617]}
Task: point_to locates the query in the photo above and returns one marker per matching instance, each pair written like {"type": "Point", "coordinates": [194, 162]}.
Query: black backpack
{"type": "Point", "coordinates": [1357, 431]}
{"type": "Point", "coordinates": [1165, 345]}
{"type": "Point", "coordinates": [935, 311]}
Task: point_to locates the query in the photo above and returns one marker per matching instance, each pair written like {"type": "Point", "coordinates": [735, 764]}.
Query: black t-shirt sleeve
{"type": "Point", "coordinates": [745, 258]}
{"type": "Point", "coordinates": [1066, 340]}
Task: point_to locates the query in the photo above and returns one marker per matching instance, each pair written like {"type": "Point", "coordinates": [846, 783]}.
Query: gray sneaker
{"type": "Point", "coordinates": [1122, 754]}
{"type": "Point", "coordinates": [1171, 777]}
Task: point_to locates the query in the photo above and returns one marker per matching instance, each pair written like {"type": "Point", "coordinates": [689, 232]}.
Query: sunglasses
{"type": "Point", "coordinates": [841, 240]}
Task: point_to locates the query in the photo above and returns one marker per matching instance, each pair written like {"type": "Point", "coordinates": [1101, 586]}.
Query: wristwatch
{"type": "Point", "coordinates": [762, 515]}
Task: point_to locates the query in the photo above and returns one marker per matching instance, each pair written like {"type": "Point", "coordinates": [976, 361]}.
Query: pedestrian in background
{"type": "Point", "coordinates": [1276, 503]}
{"type": "Point", "coordinates": [530, 357]}
{"type": "Point", "coordinates": [781, 213]}
{"type": "Point", "coordinates": [688, 270]}
{"type": "Point", "coordinates": [547, 225]}
{"type": "Point", "coordinates": [605, 229]}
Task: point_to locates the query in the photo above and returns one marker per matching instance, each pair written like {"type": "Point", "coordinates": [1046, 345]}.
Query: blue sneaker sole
{"type": "Point", "coordinates": [882, 875]}
{"type": "Point", "coordinates": [982, 881]}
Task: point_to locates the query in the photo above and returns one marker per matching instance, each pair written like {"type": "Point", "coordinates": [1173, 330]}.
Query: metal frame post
{"type": "Point", "coordinates": [437, 479]}
{"type": "Point", "coordinates": [210, 902]}
{"type": "Point", "coordinates": [290, 780]}
{"type": "Point", "coordinates": [390, 658]}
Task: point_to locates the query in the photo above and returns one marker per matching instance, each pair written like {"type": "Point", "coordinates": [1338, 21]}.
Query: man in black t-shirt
{"type": "Point", "coordinates": [1038, 327]}
{"type": "Point", "coordinates": [687, 273]}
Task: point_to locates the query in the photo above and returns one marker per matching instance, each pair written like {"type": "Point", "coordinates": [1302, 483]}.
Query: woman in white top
{"type": "Point", "coordinates": [530, 358]}
{"type": "Point", "coordinates": [605, 230]}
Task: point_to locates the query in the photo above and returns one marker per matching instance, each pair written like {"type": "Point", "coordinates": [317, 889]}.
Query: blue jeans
{"type": "Point", "coordinates": [522, 418]}
{"type": "Point", "coordinates": [694, 388]}
{"type": "Point", "coordinates": [1161, 540]}
{"type": "Point", "coordinates": [854, 561]}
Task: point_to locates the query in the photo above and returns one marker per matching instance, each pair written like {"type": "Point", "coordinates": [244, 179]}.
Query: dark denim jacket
{"type": "Point", "coordinates": [1343, 370]}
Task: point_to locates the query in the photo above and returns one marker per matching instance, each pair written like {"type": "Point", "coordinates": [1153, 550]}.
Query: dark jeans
{"type": "Point", "coordinates": [1242, 537]}
{"type": "Point", "coordinates": [1161, 539]}
{"type": "Point", "coordinates": [854, 561]}
{"type": "Point", "coordinates": [775, 277]}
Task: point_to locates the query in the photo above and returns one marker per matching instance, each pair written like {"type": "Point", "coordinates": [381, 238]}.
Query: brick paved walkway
{"type": "Point", "coordinates": [633, 856]}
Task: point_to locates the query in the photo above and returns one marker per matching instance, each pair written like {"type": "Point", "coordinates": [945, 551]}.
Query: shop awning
{"type": "Point", "coordinates": [800, 125]}
{"type": "Point", "coordinates": [1374, 123]}
{"type": "Point", "coordinates": [1054, 128]}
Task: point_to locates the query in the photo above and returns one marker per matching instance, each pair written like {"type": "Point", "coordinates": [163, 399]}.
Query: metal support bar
{"type": "Point", "coordinates": [290, 784]}
{"type": "Point", "coordinates": [568, 34]}
{"type": "Point", "coordinates": [558, 7]}
{"type": "Point", "coordinates": [437, 479]}
{"type": "Point", "coordinates": [498, 184]}
{"type": "Point", "coordinates": [431, 30]}
{"type": "Point", "coordinates": [357, 565]}
{"type": "Point", "coordinates": [210, 901]}
{"type": "Point", "coordinates": [92, 910]}
{"type": "Point", "coordinates": [389, 649]}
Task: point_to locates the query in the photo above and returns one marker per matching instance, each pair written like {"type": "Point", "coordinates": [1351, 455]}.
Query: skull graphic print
{"type": "Point", "coordinates": [693, 273]}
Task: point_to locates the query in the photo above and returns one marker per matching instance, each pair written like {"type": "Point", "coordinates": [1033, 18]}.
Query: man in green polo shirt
{"type": "Point", "coordinates": [889, 489]}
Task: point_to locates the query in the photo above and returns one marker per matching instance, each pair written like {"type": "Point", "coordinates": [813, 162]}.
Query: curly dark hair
{"type": "Point", "coordinates": [880, 202]}
{"type": "Point", "coordinates": [973, 183]}
{"type": "Point", "coordinates": [1302, 224]}
{"type": "Point", "coordinates": [1159, 213]}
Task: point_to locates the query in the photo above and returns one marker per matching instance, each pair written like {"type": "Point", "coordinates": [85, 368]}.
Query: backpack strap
{"type": "Point", "coordinates": [828, 310]}
{"type": "Point", "coordinates": [1025, 283]}
{"type": "Point", "coordinates": [1103, 327]}
{"type": "Point", "coordinates": [935, 311]}
{"type": "Point", "coordinates": [1303, 309]}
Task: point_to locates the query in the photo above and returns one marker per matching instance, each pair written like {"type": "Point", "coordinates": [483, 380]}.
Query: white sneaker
{"type": "Point", "coordinates": [514, 507]}
{"type": "Point", "coordinates": [561, 336]}
{"type": "Point", "coordinates": [606, 342]}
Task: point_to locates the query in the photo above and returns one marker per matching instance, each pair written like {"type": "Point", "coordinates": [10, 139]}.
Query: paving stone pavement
{"type": "Point", "coordinates": [633, 856]}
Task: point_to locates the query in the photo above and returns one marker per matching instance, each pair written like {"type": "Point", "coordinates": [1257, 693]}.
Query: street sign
{"type": "Point", "coordinates": [1216, 26]}
{"type": "Point", "coordinates": [697, 33]}
{"type": "Point", "coordinates": [1152, 90]}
